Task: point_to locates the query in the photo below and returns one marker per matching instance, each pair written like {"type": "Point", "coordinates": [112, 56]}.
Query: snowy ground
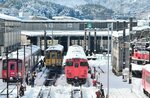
{"type": "Point", "coordinates": [117, 88]}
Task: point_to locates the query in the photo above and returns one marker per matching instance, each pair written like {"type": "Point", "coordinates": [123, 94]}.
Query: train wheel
{"type": "Point", "coordinates": [4, 80]}
{"type": "Point", "coordinates": [68, 81]}
{"type": "Point", "coordinates": [144, 91]}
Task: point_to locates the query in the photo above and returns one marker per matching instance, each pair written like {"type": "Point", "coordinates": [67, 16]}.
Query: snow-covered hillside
{"type": "Point", "coordinates": [49, 8]}
{"type": "Point", "coordinates": [136, 8]}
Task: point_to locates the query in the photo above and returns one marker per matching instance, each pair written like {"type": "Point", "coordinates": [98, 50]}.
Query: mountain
{"type": "Point", "coordinates": [134, 8]}
{"type": "Point", "coordinates": [95, 11]}
{"type": "Point", "coordinates": [83, 9]}
{"type": "Point", "coordinates": [48, 9]}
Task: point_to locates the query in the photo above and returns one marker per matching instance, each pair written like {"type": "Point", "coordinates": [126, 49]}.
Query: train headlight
{"type": "Point", "coordinates": [76, 77]}
{"type": "Point", "coordinates": [11, 78]}
{"type": "Point", "coordinates": [19, 74]}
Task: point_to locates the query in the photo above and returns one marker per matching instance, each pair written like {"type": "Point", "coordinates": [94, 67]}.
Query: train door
{"type": "Point", "coordinates": [76, 68]}
{"type": "Point", "coordinates": [59, 58]}
{"type": "Point", "coordinates": [12, 67]}
{"type": "Point", "coordinates": [4, 69]}
{"type": "Point", "coordinates": [21, 69]}
{"type": "Point", "coordinates": [83, 69]}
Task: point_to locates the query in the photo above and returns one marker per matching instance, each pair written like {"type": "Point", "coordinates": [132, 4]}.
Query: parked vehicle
{"type": "Point", "coordinates": [76, 65]}
{"type": "Point", "coordinates": [146, 79]}
{"type": "Point", "coordinates": [18, 66]}
{"type": "Point", "coordinates": [54, 57]}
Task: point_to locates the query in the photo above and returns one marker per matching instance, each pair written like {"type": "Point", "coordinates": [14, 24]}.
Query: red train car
{"type": "Point", "coordinates": [141, 55]}
{"type": "Point", "coordinates": [17, 69]}
{"type": "Point", "coordinates": [76, 65]}
{"type": "Point", "coordinates": [146, 79]}
{"type": "Point", "coordinates": [139, 59]}
{"type": "Point", "coordinates": [14, 72]}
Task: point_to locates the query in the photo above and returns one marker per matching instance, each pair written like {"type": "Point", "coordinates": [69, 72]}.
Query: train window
{"type": "Point", "coordinates": [148, 79]}
{"type": "Point", "coordinates": [59, 55]}
{"type": "Point", "coordinates": [140, 62]}
{"type": "Point", "coordinates": [76, 64]}
{"type": "Point", "coordinates": [4, 66]}
{"type": "Point", "coordinates": [12, 67]}
{"type": "Point", "coordinates": [53, 55]}
{"type": "Point", "coordinates": [47, 54]}
{"type": "Point", "coordinates": [83, 64]}
{"type": "Point", "coordinates": [19, 66]}
{"type": "Point", "coordinates": [69, 63]}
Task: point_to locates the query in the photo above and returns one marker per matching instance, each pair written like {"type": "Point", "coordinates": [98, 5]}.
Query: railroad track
{"type": "Point", "coordinates": [51, 78]}
{"type": "Point", "coordinates": [11, 88]}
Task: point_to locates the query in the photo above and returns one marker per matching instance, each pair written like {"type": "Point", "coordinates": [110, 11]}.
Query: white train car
{"type": "Point", "coordinates": [75, 51]}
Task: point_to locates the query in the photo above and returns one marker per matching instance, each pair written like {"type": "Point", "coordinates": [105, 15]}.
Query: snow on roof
{"type": "Point", "coordinates": [55, 47]}
{"type": "Point", "coordinates": [64, 18]}
{"type": "Point", "coordinates": [137, 28]}
{"type": "Point", "coordinates": [6, 17]}
{"type": "Point", "coordinates": [27, 52]}
{"type": "Point", "coordinates": [63, 33]}
{"type": "Point", "coordinates": [72, 21]}
{"type": "Point", "coordinates": [75, 51]}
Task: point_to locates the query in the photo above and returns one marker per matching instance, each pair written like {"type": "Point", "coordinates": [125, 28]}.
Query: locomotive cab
{"type": "Point", "coordinates": [14, 70]}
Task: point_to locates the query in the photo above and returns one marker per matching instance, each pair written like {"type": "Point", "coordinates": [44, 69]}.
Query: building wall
{"type": "Point", "coordinates": [69, 25]}
{"type": "Point", "coordinates": [117, 59]}
{"type": "Point", "coordinates": [10, 35]}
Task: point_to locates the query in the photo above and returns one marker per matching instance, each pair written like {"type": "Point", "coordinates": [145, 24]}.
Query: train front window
{"type": "Point", "coordinates": [12, 67]}
{"type": "Point", "coordinates": [140, 62]}
{"type": "Point", "coordinates": [4, 66]}
{"type": "Point", "coordinates": [76, 65]}
{"type": "Point", "coordinates": [83, 64]}
{"type": "Point", "coordinates": [59, 55]}
{"type": "Point", "coordinates": [69, 63]}
{"type": "Point", "coordinates": [47, 54]}
{"type": "Point", "coordinates": [53, 55]}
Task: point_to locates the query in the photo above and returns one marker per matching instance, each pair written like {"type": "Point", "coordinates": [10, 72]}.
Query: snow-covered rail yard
{"type": "Point", "coordinates": [60, 89]}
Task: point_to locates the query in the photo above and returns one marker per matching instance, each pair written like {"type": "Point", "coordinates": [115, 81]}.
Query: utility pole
{"type": "Point", "coordinates": [89, 42]}
{"type": "Point", "coordinates": [45, 42]}
{"type": "Point", "coordinates": [124, 45]}
{"type": "Point", "coordinates": [24, 56]}
{"type": "Point", "coordinates": [124, 49]}
{"type": "Point", "coordinates": [85, 36]}
{"type": "Point", "coordinates": [7, 72]}
{"type": "Point", "coordinates": [95, 41]}
{"type": "Point", "coordinates": [107, 95]}
{"type": "Point", "coordinates": [31, 58]}
{"type": "Point", "coordinates": [17, 75]}
{"type": "Point", "coordinates": [131, 52]}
